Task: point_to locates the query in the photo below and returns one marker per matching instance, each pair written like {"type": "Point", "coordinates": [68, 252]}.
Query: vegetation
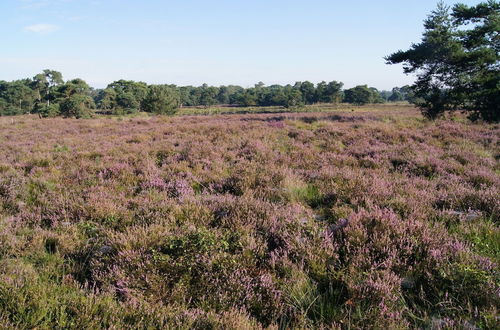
{"type": "Point", "coordinates": [48, 95]}
{"type": "Point", "coordinates": [372, 218]}
{"type": "Point", "coordinates": [294, 212]}
{"type": "Point", "coordinates": [161, 100]}
{"type": "Point", "coordinates": [457, 67]}
{"type": "Point", "coordinates": [457, 61]}
{"type": "Point", "coordinates": [362, 95]}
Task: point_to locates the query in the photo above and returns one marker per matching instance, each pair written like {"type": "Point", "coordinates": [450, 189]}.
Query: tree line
{"type": "Point", "coordinates": [457, 64]}
{"type": "Point", "coordinates": [48, 95]}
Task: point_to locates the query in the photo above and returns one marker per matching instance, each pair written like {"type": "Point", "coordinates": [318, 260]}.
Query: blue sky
{"type": "Point", "coordinates": [218, 42]}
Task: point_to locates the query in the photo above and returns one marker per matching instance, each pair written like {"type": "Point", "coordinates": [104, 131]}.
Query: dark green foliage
{"type": "Point", "coordinates": [106, 100]}
{"type": "Point", "coordinates": [47, 110]}
{"type": "Point", "coordinates": [48, 95]}
{"type": "Point", "coordinates": [3, 106]}
{"type": "Point", "coordinates": [188, 96]}
{"type": "Point", "coordinates": [123, 96]}
{"type": "Point", "coordinates": [162, 99]}
{"type": "Point", "coordinates": [43, 84]}
{"type": "Point", "coordinates": [362, 94]}
{"type": "Point", "coordinates": [17, 96]}
{"type": "Point", "coordinates": [247, 98]}
{"type": "Point", "coordinates": [308, 92]}
{"type": "Point", "coordinates": [208, 95]}
{"type": "Point", "coordinates": [262, 95]}
{"type": "Point", "coordinates": [78, 106]}
{"type": "Point", "coordinates": [330, 93]}
{"type": "Point", "coordinates": [72, 87]}
{"type": "Point", "coordinates": [457, 61]}
{"type": "Point", "coordinates": [401, 94]}
{"type": "Point", "coordinates": [292, 97]}
{"type": "Point", "coordinates": [74, 99]}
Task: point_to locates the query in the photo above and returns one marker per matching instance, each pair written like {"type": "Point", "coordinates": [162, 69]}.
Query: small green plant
{"type": "Point", "coordinates": [61, 148]}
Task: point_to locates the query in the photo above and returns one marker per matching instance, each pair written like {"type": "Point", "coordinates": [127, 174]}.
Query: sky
{"type": "Point", "coordinates": [218, 42]}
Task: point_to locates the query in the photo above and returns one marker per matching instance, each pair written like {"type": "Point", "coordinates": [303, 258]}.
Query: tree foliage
{"type": "Point", "coordinates": [77, 105]}
{"type": "Point", "coordinates": [47, 110]}
{"type": "Point", "coordinates": [48, 95]}
{"type": "Point", "coordinates": [162, 99]}
{"type": "Point", "coordinates": [457, 61]}
{"type": "Point", "coordinates": [362, 94]}
{"type": "Point", "coordinates": [124, 96]}
{"type": "Point", "coordinates": [43, 83]}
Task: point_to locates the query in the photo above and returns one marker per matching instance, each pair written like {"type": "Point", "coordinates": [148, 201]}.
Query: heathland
{"type": "Point", "coordinates": [345, 217]}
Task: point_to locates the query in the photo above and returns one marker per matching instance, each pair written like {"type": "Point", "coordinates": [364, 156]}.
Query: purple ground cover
{"type": "Point", "coordinates": [371, 218]}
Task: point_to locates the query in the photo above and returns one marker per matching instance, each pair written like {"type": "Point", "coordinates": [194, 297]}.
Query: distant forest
{"type": "Point", "coordinates": [48, 95]}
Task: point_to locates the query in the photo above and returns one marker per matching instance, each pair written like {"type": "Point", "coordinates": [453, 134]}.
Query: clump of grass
{"type": "Point", "coordinates": [299, 191]}
{"type": "Point", "coordinates": [61, 148]}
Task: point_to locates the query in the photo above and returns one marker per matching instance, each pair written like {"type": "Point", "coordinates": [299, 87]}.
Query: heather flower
{"type": "Point", "coordinates": [257, 220]}
{"type": "Point", "coordinates": [179, 189]}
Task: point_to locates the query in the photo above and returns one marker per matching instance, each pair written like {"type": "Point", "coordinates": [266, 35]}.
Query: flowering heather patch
{"type": "Point", "coordinates": [372, 218]}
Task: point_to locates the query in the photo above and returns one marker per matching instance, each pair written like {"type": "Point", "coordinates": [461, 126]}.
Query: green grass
{"type": "Point", "coordinates": [218, 110]}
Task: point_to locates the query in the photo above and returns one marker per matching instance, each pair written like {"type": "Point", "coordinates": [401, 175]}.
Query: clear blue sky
{"type": "Point", "coordinates": [217, 42]}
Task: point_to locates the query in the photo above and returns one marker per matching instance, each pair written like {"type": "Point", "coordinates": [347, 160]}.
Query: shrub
{"type": "Point", "coordinates": [161, 99]}
{"type": "Point", "coordinates": [78, 106]}
{"type": "Point", "coordinates": [47, 110]}
{"type": "Point", "coordinates": [226, 222]}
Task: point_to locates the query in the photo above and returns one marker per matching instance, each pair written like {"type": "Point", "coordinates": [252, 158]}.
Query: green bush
{"type": "Point", "coordinates": [47, 110]}
{"type": "Point", "coordinates": [78, 106]}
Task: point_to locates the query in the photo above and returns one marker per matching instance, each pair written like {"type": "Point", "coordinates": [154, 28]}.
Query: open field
{"type": "Point", "coordinates": [349, 217]}
{"type": "Point", "coordinates": [326, 107]}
